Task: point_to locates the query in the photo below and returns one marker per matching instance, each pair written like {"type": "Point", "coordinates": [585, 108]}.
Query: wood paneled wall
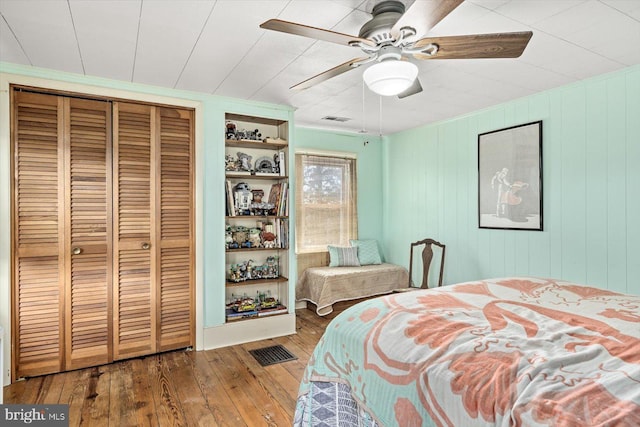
{"type": "Point", "coordinates": [591, 174]}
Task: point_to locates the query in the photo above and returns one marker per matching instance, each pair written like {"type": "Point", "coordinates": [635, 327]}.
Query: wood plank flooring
{"type": "Point", "coordinates": [222, 387]}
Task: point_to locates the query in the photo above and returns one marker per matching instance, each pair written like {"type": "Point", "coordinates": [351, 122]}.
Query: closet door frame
{"type": "Point", "coordinates": [45, 85]}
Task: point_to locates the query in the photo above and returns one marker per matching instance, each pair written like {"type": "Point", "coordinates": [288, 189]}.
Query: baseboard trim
{"type": "Point", "coordinates": [244, 331]}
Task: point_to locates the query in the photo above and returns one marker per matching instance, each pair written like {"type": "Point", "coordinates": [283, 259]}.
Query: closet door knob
{"type": "Point", "coordinates": [76, 251]}
{"type": "Point", "coordinates": [145, 245]}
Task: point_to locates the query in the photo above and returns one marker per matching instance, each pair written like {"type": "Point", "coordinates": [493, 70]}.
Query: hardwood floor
{"type": "Point", "coordinates": [222, 387]}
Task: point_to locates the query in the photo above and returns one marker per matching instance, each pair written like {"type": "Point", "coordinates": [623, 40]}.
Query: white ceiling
{"type": "Point", "coordinates": [217, 47]}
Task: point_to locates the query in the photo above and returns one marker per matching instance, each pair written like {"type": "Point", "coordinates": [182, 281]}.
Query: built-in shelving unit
{"type": "Point", "coordinates": [257, 237]}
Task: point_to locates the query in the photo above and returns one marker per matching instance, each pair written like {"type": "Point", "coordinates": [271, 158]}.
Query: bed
{"type": "Point", "coordinates": [500, 352]}
{"type": "Point", "coordinates": [324, 286]}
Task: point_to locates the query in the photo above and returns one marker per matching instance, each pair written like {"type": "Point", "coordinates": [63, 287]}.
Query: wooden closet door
{"type": "Point", "coordinates": [134, 310]}
{"type": "Point", "coordinates": [88, 224]}
{"type": "Point", "coordinates": [175, 232]}
{"type": "Point", "coordinates": [103, 231]}
{"type": "Point", "coordinates": [153, 263]}
{"type": "Point", "coordinates": [61, 201]}
{"type": "Point", "coordinates": [38, 233]}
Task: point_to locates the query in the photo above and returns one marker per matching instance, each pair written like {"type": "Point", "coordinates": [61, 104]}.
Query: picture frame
{"type": "Point", "coordinates": [510, 178]}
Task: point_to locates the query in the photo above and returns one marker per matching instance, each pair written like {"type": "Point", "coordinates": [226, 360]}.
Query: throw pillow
{"type": "Point", "coordinates": [340, 256]}
{"type": "Point", "coordinates": [367, 251]}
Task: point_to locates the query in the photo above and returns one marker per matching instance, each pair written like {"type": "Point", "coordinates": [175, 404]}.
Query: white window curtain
{"type": "Point", "coordinates": [326, 202]}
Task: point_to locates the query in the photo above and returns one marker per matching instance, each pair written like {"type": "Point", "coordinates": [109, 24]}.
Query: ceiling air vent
{"type": "Point", "coordinates": [336, 118]}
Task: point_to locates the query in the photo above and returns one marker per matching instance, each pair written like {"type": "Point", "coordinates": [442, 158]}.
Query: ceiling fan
{"type": "Point", "coordinates": [388, 41]}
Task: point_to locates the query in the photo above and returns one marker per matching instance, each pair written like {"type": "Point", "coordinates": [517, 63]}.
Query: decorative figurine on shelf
{"type": "Point", "coordinates": [257, 195]}
{"type": "Point", "coordinates": [254, 238]}
{"type": "Point", "coordinates": [233, 301]}
{"type": "Point", "coordinates": [228, 238]}
{"type": "Point", "coordinates": [243, 197]}
{"type": "Point", "coordinates": [264, 165]}
{"type": "Point", "coordinates": [234, 273]}
{"type": "Point", "coordinates": [276, 161]}
{"type": "Point", "coordinates": [249, 270]}
{"type": "Point", "coordinates": [269, 302]}
{"type": "Point", "coordinates": [249, 135]}
{"type": "Point", "coordinates": [273, 268]}
{"type": "Point", "coordinates": [245, 161]}
{"type": "Point", "coordinates": [256, 272]}
{"type": "Point", "coordinates": [230, 163]}
{"type": "Point", "coordinates": [261, 209]}
{"type": "Point", "coordinates": [246, 304]}
{"type": "Point", "coordinates": [242, 271]}
{"type": "Point", "coordinates": [239, 235]}
{"type": "Point", "coordinates": [230, 130]}
{"type": "Point", "coordinates": [268, 239]}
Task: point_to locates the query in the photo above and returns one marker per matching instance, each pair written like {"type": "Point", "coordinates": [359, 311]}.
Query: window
{"type": "Point", "coordinates": [326, 200]}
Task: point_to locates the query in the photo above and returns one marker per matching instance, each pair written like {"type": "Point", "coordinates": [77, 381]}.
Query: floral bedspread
{"type": "Point", "coordinates": [500, 352]}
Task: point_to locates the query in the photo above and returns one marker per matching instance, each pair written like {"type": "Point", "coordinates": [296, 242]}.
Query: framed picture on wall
{"type": "Point", "coordinates": [510, 178]}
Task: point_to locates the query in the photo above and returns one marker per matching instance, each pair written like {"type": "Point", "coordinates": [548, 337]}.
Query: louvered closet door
{"type": "Point", "coordinates": [175, 235]}
{"type": "Point", "coordinates": [153, 263]}
{"type": "Point", "coordinates": [103, 231]}
{"type": "Point", "coordinates": [134, 308]}
{"type": "Point", "coordinates": [61, 201]}
{"type": "Point", "coordinates": [38, 220]}
{"type": "Point", "coordinates": [88, 221]}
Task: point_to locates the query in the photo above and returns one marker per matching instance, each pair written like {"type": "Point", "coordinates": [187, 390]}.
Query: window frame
{"type": "Point", "coordinates": [348, 228]}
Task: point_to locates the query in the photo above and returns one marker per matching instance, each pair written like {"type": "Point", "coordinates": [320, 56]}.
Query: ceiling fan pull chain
{"type": "Point", "coordinates": [380, 118]}
{"type": "Point", "coordinates": [364, 128]}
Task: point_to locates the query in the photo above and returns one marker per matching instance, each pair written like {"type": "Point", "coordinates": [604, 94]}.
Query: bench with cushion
{"type": "Point", "coordinates": [353, 273]}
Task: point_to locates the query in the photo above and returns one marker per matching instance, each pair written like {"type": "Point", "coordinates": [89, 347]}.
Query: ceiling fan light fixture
{"type": "Point", "coordinates": [390, 77]}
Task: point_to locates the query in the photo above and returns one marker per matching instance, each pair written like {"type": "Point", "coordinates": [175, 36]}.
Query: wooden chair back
{"type": "Point", "coordinates": [427, 257]}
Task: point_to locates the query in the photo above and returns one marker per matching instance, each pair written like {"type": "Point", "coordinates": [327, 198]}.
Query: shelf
{"type": "Point", "coordinates": [256, 216]}
{"type": "Point", "coordinates": [280, 279]}
{"type": "Point", "coordinates": [254, 249]}
{"type": "Point", "coordinates": [254, 119]}
{"type": "Point", "coordinates": [252, 316]}
{"type": "Point", "coordinates": [246, 143]}
{"type": "Point", "coordinates": [273, 177]}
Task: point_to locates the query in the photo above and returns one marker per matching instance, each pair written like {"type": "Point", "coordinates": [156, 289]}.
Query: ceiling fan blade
{"type": "Point", "coordinates": [423, 15]}
{"type": "Point", "coordinates": [313, 32]}
{"type": "Point", "coordinates": [326, 75]}
{"type": "Point", "coordinates": [416, 87]}
{"type": "Point", "coordinates": [498, 45]}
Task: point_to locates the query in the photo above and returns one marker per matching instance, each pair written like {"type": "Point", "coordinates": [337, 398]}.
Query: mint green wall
{"type": "Point", "coordinates": [369, 166]}
{"type": "Point", "coordinates": [591, 188]}
{"type": "Point", "coordinates": [426, 184]}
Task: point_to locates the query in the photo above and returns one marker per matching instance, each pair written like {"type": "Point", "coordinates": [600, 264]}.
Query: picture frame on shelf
{"type": "Point", "coordinates": [510, 178]}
